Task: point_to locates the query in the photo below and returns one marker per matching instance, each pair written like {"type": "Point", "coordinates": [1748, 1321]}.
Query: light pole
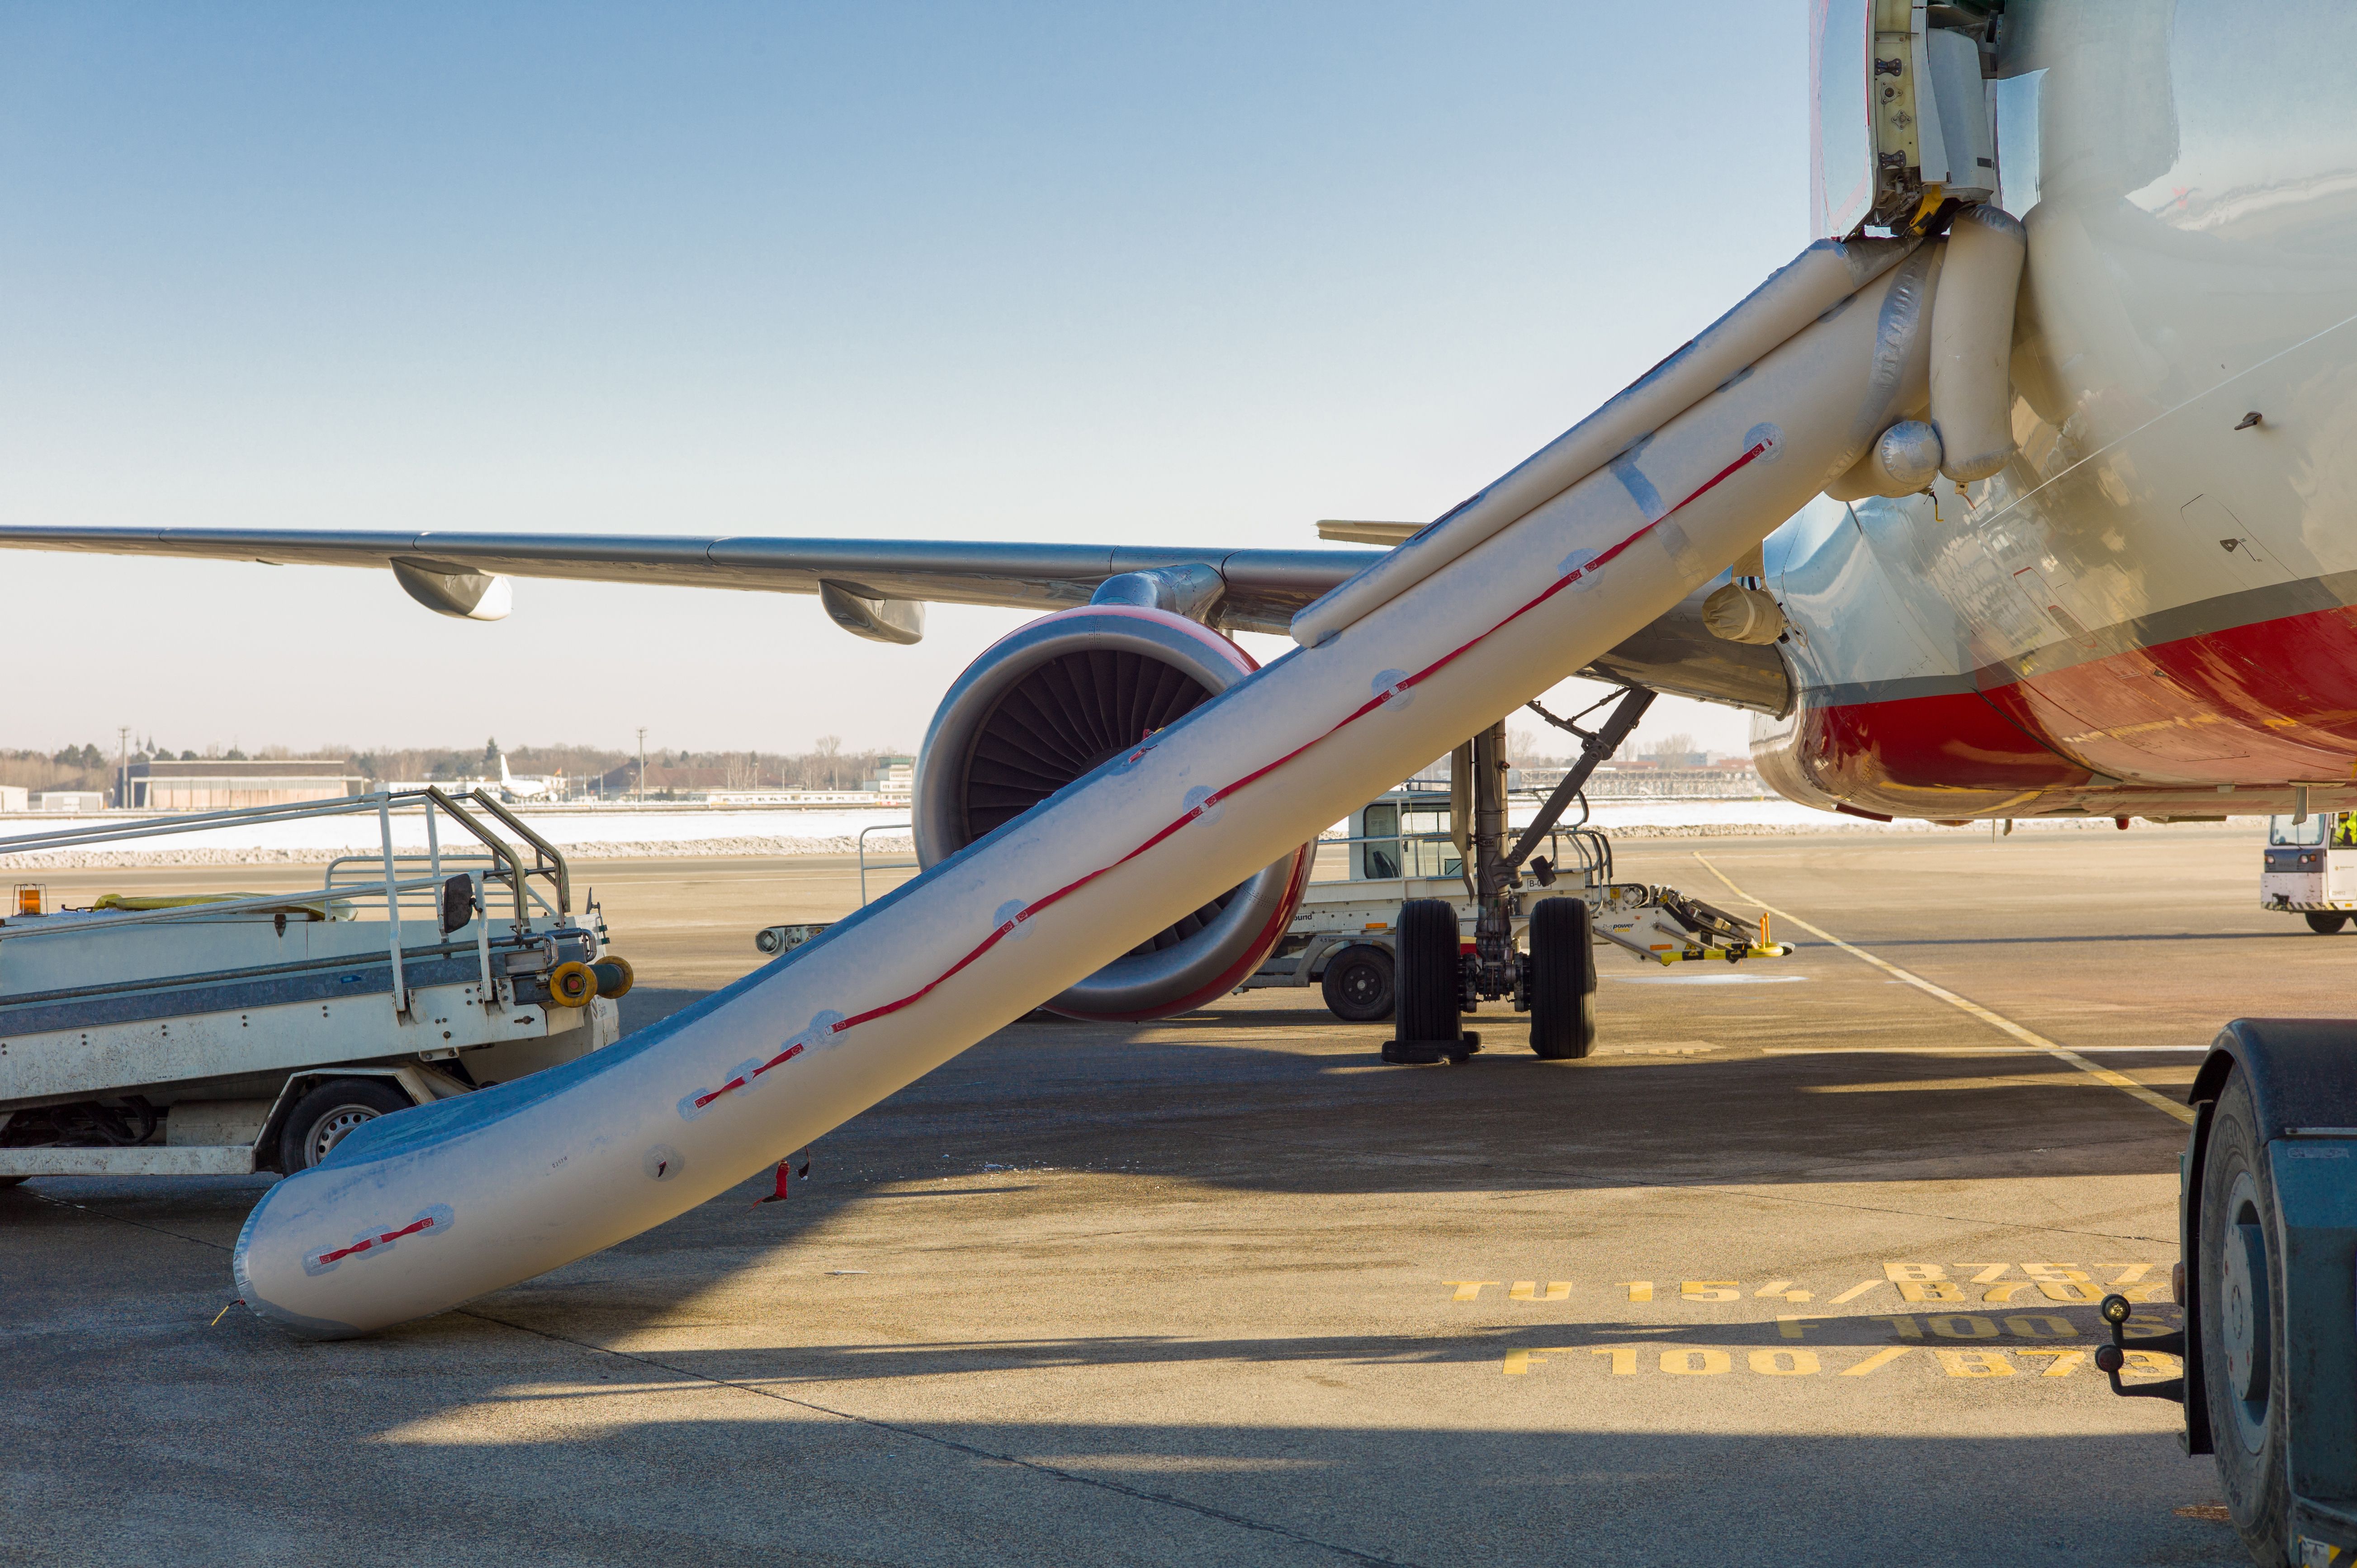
{"type": "Point", "coordinates": [122, 766]}
{"type": "Point", "coordinates": [642, 765]}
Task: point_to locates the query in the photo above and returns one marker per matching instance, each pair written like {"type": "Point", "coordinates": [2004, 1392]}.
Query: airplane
{"type": "Point", "coordinates": [514, 788]}
{"type": "Point", "coordinates": [2124, 586]}
{"type": "Point", "coordinates": [2140, 602]}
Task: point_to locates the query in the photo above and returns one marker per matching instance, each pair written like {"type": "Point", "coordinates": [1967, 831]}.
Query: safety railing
{"type": "Point", "coordinates": [353, 883]}
{"type": "Point", "coordinates": [1590, 853]}
{"type": "Point", "coordinates": [864, 867]}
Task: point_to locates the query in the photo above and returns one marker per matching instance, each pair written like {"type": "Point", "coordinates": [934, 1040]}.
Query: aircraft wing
{"type": "Point", "coordinates": [875, 588]}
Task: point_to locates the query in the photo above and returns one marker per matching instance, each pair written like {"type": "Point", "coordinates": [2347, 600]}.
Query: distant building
{"type": "Point", "coordinates": [69, 800]}
{"type": "Point", "coordinates": [893, 775]}
{"type": "Point", "coordinates": [212, 784]}
{"type": "Point", "coordinates": [13, 797]}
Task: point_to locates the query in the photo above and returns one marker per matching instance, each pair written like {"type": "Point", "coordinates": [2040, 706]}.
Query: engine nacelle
{"type": "Point", "coordinates": [1046, 706]}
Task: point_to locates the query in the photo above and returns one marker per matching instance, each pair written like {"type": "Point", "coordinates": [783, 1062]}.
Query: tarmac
{"type": "Point", "coordinates": [1799, 1268]}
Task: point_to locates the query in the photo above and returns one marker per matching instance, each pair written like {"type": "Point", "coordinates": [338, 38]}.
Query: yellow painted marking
{"type": "Point", "coordinates": [1974, 1363]}
{"type": "Point", "coordinates": [1783, 1288]}
{"type": "Point", "coordinates": [1951, 1326]}
{"type": "Point", "coordinates": [1709, 1290]}
{"type": "Point", "coordinates": [2156, 1291]}
{"type": "Point", "coordinates": [1881, 1357]}
{"type": "Point", "coordinates": [2079, 1294]}
{"type": "Point", "coordinates": [2062, 1363]}
{"type": "Point", "coordinates": [2131, 1272]}
{"type": "Point", "coordinates": [1792, 1326]}
{"type": "Point", "coordinates": [1906, 1326]}
{"type": "Point", "coordinates": [1766, 1363]}
{"type": "Point", "coordinates": [2056, 1272]}
{"type": "Point", "coordinates": [1639, 1290]}
{"type": "Point", "coordinates": [1989, 1273]}
{"type": "Point", "coordinates": [1695, 1363]}
{"type": "Point", "coordinates": [2152, 1363]}
{"type": "Point", "coordinates": [1930, 1290]}
{"type": "Point", "coordinates": [1526, 1290]}
{"type": "Point", "coordinates": [2005, 1291]}
{"type": "Point", "coordinates": [1853, 1292]}
{"type": "Point", "coordinates": [1518, 1362]}
{"type": "Point", "coordinates": [1468, 1290]}
{"type": "Point", "coordinates": [1624, 1358]}
{"type": "Point", "coordinates": [2120, 1082]}
{"type": "Point", "coordinates": [1900, 1273]}
{"type": "Point", "coordinates": [2027, 1327]}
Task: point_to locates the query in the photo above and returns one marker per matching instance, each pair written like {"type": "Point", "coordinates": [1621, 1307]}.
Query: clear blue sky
{"type": "Point", "coordinates": [1178, 275]}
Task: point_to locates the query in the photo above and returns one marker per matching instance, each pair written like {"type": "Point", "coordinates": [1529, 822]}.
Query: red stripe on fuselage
{"type": "Point", "coordinates": [2258, 704]}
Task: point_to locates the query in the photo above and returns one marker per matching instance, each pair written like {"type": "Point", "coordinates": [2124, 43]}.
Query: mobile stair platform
{"type": "Point", "coordinates": [201, 1034]}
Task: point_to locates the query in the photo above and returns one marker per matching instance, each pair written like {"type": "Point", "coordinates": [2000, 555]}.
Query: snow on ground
{"type": "Point", "coordinates": [630, 834]}
{"type": "Point", "coordinates": [586, 835]}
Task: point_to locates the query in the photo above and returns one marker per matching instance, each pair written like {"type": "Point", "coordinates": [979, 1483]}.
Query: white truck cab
{"type": "Point", "coordinates": [2310, 868]}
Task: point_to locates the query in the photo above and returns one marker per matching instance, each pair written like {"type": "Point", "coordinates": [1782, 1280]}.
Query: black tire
{"type": "Point", "coordinates": [2238, 1201]}
{"type": "Point", "coordinates": [1562, 981]}
{"type": "Point", "coordinates": [322, 1117]}
{"type": "Point", "coordinates": [2325, 922]}
{"type": "Point", "coordinates": [1428, 990]}
{"type": "Point", "coordinates": [1358, 984]}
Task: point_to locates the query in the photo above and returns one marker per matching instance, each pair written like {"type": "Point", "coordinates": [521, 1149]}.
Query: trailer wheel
{"type": "Point", "coordinates": [2243, 1360]}
{"type": "Point", "coordinates": [1428, 1007]}
{"type": "Point", "coordinates": [2325, 922]}
{"type": "Point", "coordinates": [1563, 980]}
{"type": "Point", "coordinates": [1358, 984]}
{"type": "Point", "coordinates": [322, 1117]}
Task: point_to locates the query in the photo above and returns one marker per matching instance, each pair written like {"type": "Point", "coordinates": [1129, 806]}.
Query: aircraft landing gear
{"type": "Point", "coordinates": [1428, 986]}
{"type": "Point", "coordinates": [1562, 968]}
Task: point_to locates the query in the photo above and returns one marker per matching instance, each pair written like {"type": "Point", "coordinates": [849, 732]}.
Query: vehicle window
{"type": "Point", "coordinates": [1379, 859]}
{"type": "Point", "coordinates": [1427, 851]}
{"type": "Point", "coordinates": [2283, 831]}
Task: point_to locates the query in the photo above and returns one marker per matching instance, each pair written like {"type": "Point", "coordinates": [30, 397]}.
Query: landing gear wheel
{"type": "Point", "coordinates": [2325, 922]}
{"type": "Point", "coordinates": [572, 984]}
{"type": "Point", "coordinates": [1428, 974]}
{"type": "Point", "coordinates": [322, 1118]}
{"type": "Point", "coordinates": [1358, 984]}
{"type": "Point", "coordinates": [1563, 980]}
{"type": "Point", "coordinates": [2242, 1360]}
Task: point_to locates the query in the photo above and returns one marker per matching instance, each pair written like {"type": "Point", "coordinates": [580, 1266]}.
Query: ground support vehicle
{"type": "Point", "coordinates": [1412, 846]}
{"type": "Point", "coordinates": [2311, 868]}
{"type": "Point", "coordinates": [231, 1033]}
{"type": "Point", "coordinates": [2268, 1223]}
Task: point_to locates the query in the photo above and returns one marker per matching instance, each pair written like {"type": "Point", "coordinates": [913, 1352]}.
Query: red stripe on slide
{"type": "Point", "coordinates": [390, 1236]}
{"type": "Point", "coordinates": [1750, 455]}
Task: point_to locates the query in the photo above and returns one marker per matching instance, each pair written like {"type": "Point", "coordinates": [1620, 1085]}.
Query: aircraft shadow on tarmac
{"type": "Point", "coordinates": [1230, 1114]}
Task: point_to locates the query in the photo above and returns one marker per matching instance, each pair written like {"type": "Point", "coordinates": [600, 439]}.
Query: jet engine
{"type": "Point", "coordinates": [1045, 706]}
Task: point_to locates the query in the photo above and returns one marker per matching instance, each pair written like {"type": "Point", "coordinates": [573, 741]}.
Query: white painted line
{"type": "Point", "coordinates": [2030, 1038]}
{"type": "Point", "coordinates": [1956, 1050]}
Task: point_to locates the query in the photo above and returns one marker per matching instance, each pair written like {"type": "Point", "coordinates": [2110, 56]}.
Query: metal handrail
{"type": "Point", "coordinates": [541, 847]}
{"type": "Point", "coordinates": [390, 884]}
{"type": "Point", "coordinates": [865, 868]}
